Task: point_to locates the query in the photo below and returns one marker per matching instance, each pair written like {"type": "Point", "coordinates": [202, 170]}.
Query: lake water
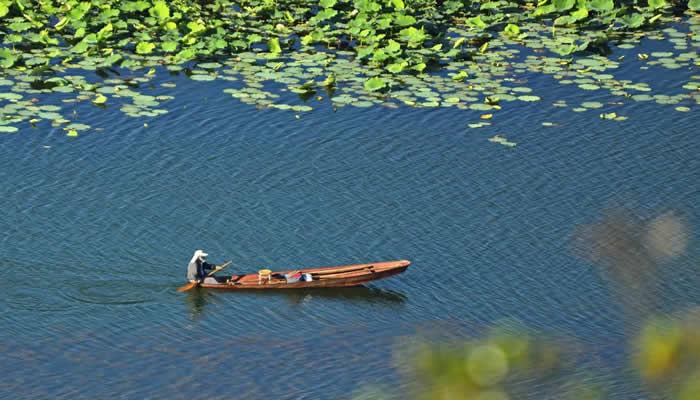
{"type": "Point", "coordinates": [98, 230]}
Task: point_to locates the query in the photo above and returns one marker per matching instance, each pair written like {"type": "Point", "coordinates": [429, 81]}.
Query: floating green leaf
{"type": "Point", "coordinates": [7, 128]}
{"type": "Point", "coordinates": [396, 68]}
{"type": "Point", "coordinates": [209, 65]}
{"type": "Point", "coordinates": [588, 86]}
{"type": "Point", "coordinates": [418, 67]}
{"type": "Point", "coordinates": [460, 76]}
{"type": "Point", "coordinates": [374, 84]}
{"type": "Point", "coordinates": [564, 5]}
{"type": "Point", "coordinates": [543, 9]}
{"type": "Point", "coordinates": [601, 5]}
{"type": "Point", "coordinates": [145, 47]}
{"type": "Point", "coordinates": [273, 46]}
{"type": "Point", "coordinates": [202, 77]}
{"type": "Point", "coordinates": [656, 4]}
{"type": "Point", "coordinates": [160, 10]}
{"type": "Point", "coordinates": [59, 25]}
{"type": "Point", "coordinates": [511, 30]}
{"type": "Point", "coordinates": [330, 80]}
{"type": "Point", "coordinates": [480, 107]}
{"type": "Point", "coordinates": [398, 4]}
{"type": "Point", "coordinates": [100, 99]}
{"type": "Point", "coordinates": [104, 33]}
{"type": "Point", "coordinates": [502, 140]}
{"type": "Point", "coordinates": [642, 97]}
{"type": "Point", "coordinates": [77, 127]}
{"type": "Point", "coordinates": [195, 27]}
{"type": "Point", "coordinates": [10, 96]}
{"type": "Point", "coordinates": [7, 59]}
{"type": "Point", "coordinates": [326, 13]}
{"type": "Point", "coordinates": [414, 37]}
{"type": "Point", "coordinates": [633, 20]}
{"type": "Point", "coordinates": [476, 22]}
{"type": "Point", "coordinates": [184, 55]}
{"type": "Point", "coordinates": [133, 6]}
{"type": "Point", "coordinates": [404, 20]}
{"type": "Point", "coordinates": [578, 15]}
{"type": "Point", "coordinates": [169, 46]}
{"type": "Point", "coordinates": [301, 108]}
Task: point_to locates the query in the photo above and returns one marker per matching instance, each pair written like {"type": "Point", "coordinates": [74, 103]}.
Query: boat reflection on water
{"type": "Point", "coordinates": [197, 298]}
{"type": "Point", "coordinates": [352, 294]}
{"type": "Point", "coordinates": [195, 301]}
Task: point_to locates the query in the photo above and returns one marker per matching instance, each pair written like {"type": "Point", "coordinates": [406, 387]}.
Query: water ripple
{"type": "Point", "coordinates": [98, 231]}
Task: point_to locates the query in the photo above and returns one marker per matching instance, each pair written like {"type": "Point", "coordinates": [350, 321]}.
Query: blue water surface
{"type": "Point", "coordinates": [98, 230]}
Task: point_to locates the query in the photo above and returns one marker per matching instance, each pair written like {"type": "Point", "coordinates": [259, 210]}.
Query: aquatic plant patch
{"type": "Point", "coordinates": [359, 53]}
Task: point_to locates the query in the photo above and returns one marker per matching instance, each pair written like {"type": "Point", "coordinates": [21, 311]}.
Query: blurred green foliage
{"type": "Point", "coordinates": [510, 361]}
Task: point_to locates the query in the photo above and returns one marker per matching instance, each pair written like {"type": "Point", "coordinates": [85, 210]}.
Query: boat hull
{"type": "Point", "coordinates": [326, 277]}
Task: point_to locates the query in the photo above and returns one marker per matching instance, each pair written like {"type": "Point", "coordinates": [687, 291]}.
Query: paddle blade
{"type": "Point", "coordinates": [187, 287]}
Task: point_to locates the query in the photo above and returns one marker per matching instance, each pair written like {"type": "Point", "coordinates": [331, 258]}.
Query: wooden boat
{"type": "Point", "coordinates": [326, 277]}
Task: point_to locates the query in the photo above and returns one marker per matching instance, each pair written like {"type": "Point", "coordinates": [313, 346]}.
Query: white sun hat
{"type": "Point", "coordinates": [199, 254]}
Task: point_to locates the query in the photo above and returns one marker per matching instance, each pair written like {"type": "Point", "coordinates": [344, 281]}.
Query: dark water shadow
{"type": "Point", "coordinates": [366, 294]}
{"type": "Point", "coordinates": [197, 299]}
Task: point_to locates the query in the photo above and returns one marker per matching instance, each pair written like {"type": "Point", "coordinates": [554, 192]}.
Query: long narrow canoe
{"type": "Point", "coordinates": [326, 277]}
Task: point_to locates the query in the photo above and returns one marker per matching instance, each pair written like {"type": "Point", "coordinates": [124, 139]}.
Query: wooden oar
{"type": "Point", "coordinates": [187, 287]}
{"type": "Point", "coordinates": [219, 268]}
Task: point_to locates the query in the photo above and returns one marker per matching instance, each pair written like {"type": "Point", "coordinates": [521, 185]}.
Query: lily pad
{"type": "Point", "coordinates": [502, 140]}
{"type": "Point", "coordinates": [210, 65]}
{"type": "Point", "coordinates": [522, 89]}
{"type": "Point", "coordinates": [50, 115]}
{"type": "Point", "coordinates": [50, 107]}
{"type": "Point", "coordinates": [78, 127]}
{"type": "Point", "coordinates": [480, 107]}
{"type": "Point", "coordinates": [491, 50]}
{"type": "Point", "coordinates": [374, 84]}
{"type": "Point", "coordinates": [202, 77]}
{"type": "Point", "coordinates": [10, 96]}
{"type": "Point", "coordinates": [642, 97]}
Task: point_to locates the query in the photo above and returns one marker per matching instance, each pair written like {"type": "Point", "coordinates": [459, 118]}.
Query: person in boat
{"type": "Point", "coordinates": [196, 269]}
